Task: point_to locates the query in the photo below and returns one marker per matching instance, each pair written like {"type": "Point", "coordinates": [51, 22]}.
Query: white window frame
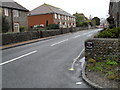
{"type": "Point", "coordinates": [15, 13]}
{"type": "Point", "coordinates": [73, 19]}
{"type": "Point", "coordinates": [65, 17]}
{"type": "Point", "coordinates": [60, 22]}
{"type": "Point", "coordinates": [58, 16]}
{"type": "Point", "coordinates": [68, 18]}
{"type": "Point", "coordinates": [62, 17]}
{"type": "Point", "coordinates": [55, 15]}
{"type": "Point", "coordinates": [65, 23]}
{"type": "Point", "coordinates": [6, 12]}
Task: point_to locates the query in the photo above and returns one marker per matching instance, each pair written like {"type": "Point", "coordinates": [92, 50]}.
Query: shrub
{"type": "Point", "coordinates": [83, 24]}
{"type": "Point", "coordinates": [52, 26]}
{"type": "Point", "coordinates": [5, 25]}
{"type": "Point", "coordinates": [91, 60]}
{"type": "Point", "coordinates": [109, 67]}
{"type": "Point", "coordinates": [22, 28]}
{"type": "Point", "coordinates": [110, 33]}
{"type": "Point", "coordinates": [110, 62]}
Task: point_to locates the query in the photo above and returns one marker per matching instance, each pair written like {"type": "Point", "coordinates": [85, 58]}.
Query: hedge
{"type": "Point", "coordinates": [9, 38]}
{"type": "Point", "coordinates": [110, 33]}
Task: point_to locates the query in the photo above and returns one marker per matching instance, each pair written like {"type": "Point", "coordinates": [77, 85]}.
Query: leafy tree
{"type": "Point", "coordinates": [80, 19]}
{"type": "Point", "coordinates": [97, 20]}
{"type": "Point", "coordinates": [5, 25]}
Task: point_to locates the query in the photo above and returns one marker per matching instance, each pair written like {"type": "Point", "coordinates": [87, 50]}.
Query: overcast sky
{"type": "Point", "coordinates": [88, 7]}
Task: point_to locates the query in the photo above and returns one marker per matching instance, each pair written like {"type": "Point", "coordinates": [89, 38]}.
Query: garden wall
{"type": "Point", "coordinates": [102, 47]}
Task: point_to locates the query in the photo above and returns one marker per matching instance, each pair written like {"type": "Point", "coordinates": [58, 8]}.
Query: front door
{"type": "Point", "coordinates": [16, 27]}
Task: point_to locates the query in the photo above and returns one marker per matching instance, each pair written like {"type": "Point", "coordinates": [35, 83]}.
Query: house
{"type": "Point", "coordinates": [114, 12]}
{"type": "Point", "coordinates": [15, 14]}
{"type": "Point", "coordinates": [47, 14]}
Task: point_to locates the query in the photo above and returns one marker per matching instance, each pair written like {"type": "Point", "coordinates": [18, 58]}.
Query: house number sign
{"type": "Point", "coordinates": [89, 45]}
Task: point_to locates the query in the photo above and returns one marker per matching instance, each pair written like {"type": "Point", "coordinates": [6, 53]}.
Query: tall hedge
{"type": "Point", "coordinates": [5, 25]}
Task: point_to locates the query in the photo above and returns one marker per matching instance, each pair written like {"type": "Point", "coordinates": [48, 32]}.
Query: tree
{"type": "Point", "coordinates": [5, 25]}
{"type": "Point", "coordinates": [80, 19]}
{"type": "Point", "coordinates": [97, 20]}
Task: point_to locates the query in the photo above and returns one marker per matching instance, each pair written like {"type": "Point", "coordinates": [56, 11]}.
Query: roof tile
{"type": "Point", "coordinates": [46, 8]}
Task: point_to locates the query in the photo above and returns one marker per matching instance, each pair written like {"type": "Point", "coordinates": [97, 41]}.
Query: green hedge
{"type": "Point", "coordinates": [9, 38]}
{"type": "Point", "coordinates": [110, 33]}
{"type": "Point", "coordinates": [52, 26]}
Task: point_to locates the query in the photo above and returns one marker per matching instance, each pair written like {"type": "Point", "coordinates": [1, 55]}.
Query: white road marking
{"type": "Point", "coordinates": [17, 58]}
{"type": "Point", "coordinates": [82, 61]}
{"type": "Point", "coordinates": [58, 42]}
{"type": "Point", "coordinates": [75, 60]}
{"type": "Point", "coordinates": [84, 34]}
{"type": "Point", "coordinates": [77, 36]}
{"type": "Point", "coordinates": [89, 35]}
{"type": "Point", "coordinates": [78, 83]}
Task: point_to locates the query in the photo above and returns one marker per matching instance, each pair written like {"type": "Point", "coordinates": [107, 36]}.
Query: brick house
{"type": "Point", "coordinates": [47, 14]}
{"type": "Point", "coordinates": [15, 14]}
{"type": "Point", "coordinates": [114, 12]}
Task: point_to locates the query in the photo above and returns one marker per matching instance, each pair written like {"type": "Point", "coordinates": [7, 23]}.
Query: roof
{"type": "Point", "coordinates": [13, 5]}
{"type": "Point", "coordinates": [48, 9]}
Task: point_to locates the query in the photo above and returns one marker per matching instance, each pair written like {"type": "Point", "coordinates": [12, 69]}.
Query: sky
{"type": "Point", "coordinates": [95, 8]}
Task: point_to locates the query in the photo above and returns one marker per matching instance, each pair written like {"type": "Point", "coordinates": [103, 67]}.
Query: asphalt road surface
{"type": "Point", "coordinates": [45, 64]}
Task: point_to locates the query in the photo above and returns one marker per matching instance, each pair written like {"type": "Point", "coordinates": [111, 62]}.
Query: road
{"type": "Point", "coordinates": [45, 64]}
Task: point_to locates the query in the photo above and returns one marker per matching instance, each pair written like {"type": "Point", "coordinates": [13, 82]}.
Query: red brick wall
{"type": "Point", "coordinates": [40, 19]}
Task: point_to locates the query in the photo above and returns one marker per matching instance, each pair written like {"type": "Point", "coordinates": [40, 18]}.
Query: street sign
{"type": "Point", "coordinates": [89, 45]}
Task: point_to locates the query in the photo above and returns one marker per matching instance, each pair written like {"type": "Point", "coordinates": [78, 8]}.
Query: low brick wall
{"type": "Point", "coordinates": [100, 47]}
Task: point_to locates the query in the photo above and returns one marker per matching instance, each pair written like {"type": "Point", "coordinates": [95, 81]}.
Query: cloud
{"type": "Point", "coordinates": [6, 1]}
{"type": "Point", "coordinates": [114, 0]}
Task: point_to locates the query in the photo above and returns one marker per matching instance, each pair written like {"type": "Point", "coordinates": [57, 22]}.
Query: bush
{"type": "Point", "coordinates": [22, 28]}
{"type": "Point", "coordinates": [5, 25]}
{"type": "Point", "coordinates": [82, 24]}
{"type": "Point", "coordinates": [110, 33]}
{"type": "Point", "coordinates": [52, 26]}
{"type": "Point", "coordinates": [108, 67]}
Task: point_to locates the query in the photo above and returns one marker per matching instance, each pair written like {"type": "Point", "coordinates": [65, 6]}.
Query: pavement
{"type": "Point", "coordinates": [45, 63]}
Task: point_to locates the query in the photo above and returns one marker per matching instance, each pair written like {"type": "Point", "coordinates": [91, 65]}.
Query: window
{"type": "Point", "coordinates": [16, 27]}
{"type": "Point", "coordinates": [60, 22]}
{"type": "Point", "coordinates": [58, 16]}
{"type": "Point", "coordinates": [68, 18]}
{"type": "Point", "coordinates": [65, 23]}
{"type": "Point", "coordinates": [65, 17]}
{"type": "Point", "coordinates": [55, 16]}
{"type": "Point", "coordinates": [73, 19]}
{"type": "Point", "coordinates": [6, 12]}
{"type": "Point", "coordinates": [62, 17]}
{"type": "Point", "coordinates": [15, 13]}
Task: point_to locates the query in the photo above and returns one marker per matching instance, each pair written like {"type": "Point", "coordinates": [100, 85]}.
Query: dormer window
{"type": "Point", "coordinates": [6, 12]}
{"type": "Point", "coordinates": [15, 13]}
